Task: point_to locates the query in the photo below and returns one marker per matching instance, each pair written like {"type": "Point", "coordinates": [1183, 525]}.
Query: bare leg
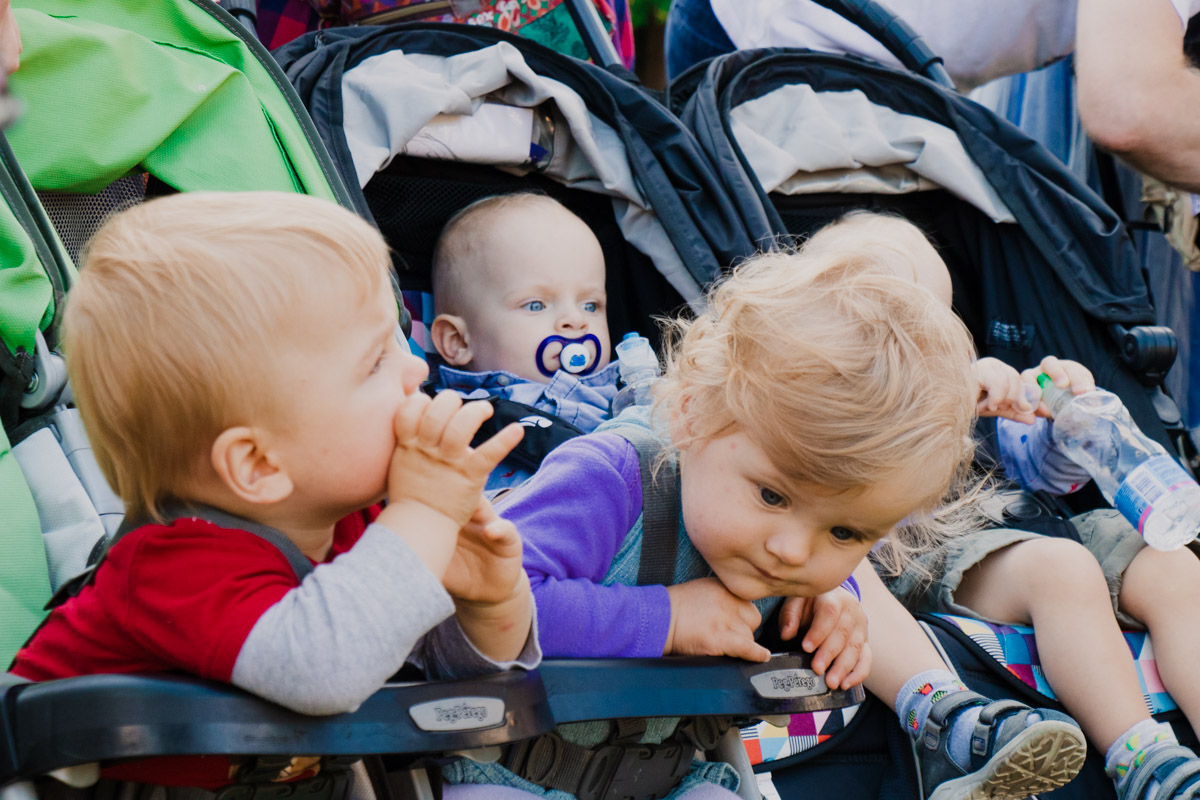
{"type": "Point", "coordinates": [899, 647]}
{"type": "Point", "coordinates": [1163, 591]}
{"type": "Point", "coordinates": [1056, 586]}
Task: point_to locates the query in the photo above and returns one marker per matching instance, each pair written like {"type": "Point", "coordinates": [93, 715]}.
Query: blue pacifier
{"type": "Point", "coordinates": [575, 357]}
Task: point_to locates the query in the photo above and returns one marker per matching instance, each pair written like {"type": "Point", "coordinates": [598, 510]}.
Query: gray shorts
{"type": "Point", "coordinates": [1105, 534]}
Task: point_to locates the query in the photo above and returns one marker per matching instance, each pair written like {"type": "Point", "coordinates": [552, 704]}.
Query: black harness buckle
{"type": "Point", "coordinates": [332, 783]}
{"type": "Point", "coordinates": [635, 772]}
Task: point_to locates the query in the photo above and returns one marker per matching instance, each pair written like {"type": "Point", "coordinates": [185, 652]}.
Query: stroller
{"type": "Point", "coordinates": [205, 75]}
{"type": "Point", "coordinates": [620, 161]}
{"type": "Point", "coordinates": [804, 137]}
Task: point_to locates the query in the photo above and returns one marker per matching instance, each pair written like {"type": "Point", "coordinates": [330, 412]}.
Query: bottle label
{"type": "Point", "coordinates": [1147, 485]}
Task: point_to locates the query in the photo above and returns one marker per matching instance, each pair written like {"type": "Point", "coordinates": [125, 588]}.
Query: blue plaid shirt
{"type": "Point", "coordinates": [584, 401]}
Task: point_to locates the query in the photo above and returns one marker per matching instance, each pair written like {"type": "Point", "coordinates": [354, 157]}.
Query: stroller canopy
{"type": "Point", "coordinates": [1041, 265]}
{"type": "Point", "coordinates": [804, 122]}
{"type": "Point", "coordinates": [376, 94]}
{"type": "Point", "coordinates": [176, 90]}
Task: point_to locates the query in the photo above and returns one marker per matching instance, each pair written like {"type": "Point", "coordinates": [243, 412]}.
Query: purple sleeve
{"type": "Point", "coordinates": [573, 515]}
{"type": "Point", "coordinates": [1032, 459]}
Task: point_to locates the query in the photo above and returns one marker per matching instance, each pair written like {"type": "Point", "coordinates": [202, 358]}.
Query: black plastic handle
{"type": "Point", "coordinates": [589, 689]}
{"type": "Point", "coordinates": [895, 35]}
{"type": "Point", "coordinates": [44, 726]}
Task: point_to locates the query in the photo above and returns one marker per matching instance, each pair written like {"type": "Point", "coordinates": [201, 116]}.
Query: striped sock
{"type": "Point", "coordinates": [1130, 749]}
{"type": "Point", "coordinates": [915, 700]}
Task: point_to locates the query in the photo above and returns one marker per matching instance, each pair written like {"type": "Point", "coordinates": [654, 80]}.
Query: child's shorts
{"type": "Point", "coordinates": [1105, 534]}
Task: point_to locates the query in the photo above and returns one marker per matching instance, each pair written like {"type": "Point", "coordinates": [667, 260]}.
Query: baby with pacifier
{"type": "Point", "coordinates": [522, 317]}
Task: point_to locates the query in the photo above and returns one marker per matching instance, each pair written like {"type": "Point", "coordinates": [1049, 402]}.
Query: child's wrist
{"type": "Point", "coordinates": [410, 508]}
{"type": "Point", "coordinates": [519, 594]}
{"type": "Point", "coordinates": [429, 533]}
{"type": "Point", "coordinates": [669, 646]}
{"type": "Point", "coordinates": [518, 605]}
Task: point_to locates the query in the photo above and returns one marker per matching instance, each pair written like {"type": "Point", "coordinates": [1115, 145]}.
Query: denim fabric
{"type": "Point", "coordinates": [693, 35]}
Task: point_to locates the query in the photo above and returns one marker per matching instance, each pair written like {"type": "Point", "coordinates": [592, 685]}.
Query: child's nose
{"type": "Point", "coordinates": [572, 319]}
{"type": "Point", "coordinates": [414, 370]}
{"type": "Point", "coordinates": [792, 547]}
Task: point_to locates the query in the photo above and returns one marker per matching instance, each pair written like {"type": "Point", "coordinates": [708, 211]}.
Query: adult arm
{"type": "Point", "coordinates": [979, 39]}
{"type": "Point", "coordinates": [573, 516]}
{"type": "Point", "coordinates": [1137, 93]}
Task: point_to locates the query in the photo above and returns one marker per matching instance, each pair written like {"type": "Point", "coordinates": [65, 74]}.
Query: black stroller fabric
{"type": "Point", "coordinates": [1052, 283]}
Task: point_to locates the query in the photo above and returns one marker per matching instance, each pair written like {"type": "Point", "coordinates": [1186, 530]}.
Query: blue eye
{"type": "Point", "coordinates": [771, 497]}
{"type": "Point", "coordinates": [844, 534]}
{"type": "Point", "coordinates": [591, 307]}
{"type": "Point", "coordinates": [535, 305]}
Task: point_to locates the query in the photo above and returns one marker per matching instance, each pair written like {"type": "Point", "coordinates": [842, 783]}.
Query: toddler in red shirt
{"type": "Point", "coordinates": [237, 362]}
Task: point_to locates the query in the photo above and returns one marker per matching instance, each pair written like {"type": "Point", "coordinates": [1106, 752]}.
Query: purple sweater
{"type": "Point", "coordinates": [573, 515]}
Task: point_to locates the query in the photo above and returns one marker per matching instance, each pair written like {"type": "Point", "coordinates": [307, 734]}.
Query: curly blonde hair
{"type": "Point", "coordinates": [845, 374]}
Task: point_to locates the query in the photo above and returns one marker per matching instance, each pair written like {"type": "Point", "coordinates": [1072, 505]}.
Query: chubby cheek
{"type": "Point", "coordinates": [839, 567]}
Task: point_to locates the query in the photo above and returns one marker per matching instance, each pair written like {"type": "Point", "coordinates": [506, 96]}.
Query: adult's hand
{"type": "Point", "coordinates": [10, 39]}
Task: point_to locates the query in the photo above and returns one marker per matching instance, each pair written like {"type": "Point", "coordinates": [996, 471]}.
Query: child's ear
{"type": "Point", "coordinates": [449, 334]}
{"type": "Point", "coordinates": [249, 469]}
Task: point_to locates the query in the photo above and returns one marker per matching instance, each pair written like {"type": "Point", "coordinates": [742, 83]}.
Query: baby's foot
{"type": "Point", "coordinates": [1168, 771]}
{"type": "Point", "coordinates": [1015, 750]}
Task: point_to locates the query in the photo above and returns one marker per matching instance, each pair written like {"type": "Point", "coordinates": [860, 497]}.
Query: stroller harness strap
{"type": "Point", "coordinates": [300, 564]}
{"type": "Point", "coordinates": [660, 507]}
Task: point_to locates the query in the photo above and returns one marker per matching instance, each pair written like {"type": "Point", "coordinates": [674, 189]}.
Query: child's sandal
{"type": "Point", "coordinates": [1176, 769]}
{"type": "Point", "coordinates": [1009, 759]}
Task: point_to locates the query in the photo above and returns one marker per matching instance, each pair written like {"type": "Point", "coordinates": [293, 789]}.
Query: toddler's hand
{"type": "Point", "coordinates": [486, 566]}
{"type": "Point", "coordinates": [1001, 391]}
{"type": "Point", "coordinates": [837, 635]}
{"type": "Point", "coordinates": [1064, 373]}
{"type": "Point", "coordinates": [491, 594]}
{"type": "Point", "coordinates": [709, 620]}
{"type": "Point", "coordinates": [434, 463]}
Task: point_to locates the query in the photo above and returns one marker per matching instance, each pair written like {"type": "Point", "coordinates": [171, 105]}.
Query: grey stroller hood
{"type": "Point", "coordinates": [372, 91]}
{"type": "Point", "coordinates": [1040, 264]}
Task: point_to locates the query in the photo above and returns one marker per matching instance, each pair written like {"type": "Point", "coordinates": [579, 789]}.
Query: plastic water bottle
{"type": "Point", "coordinates": [1134, 473]}
{"type": "Point", "coordinates": [639, 370]}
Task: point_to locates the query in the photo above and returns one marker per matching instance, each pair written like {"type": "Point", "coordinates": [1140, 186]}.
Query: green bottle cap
{"type": "Point", "coordinates": [1055, 398]}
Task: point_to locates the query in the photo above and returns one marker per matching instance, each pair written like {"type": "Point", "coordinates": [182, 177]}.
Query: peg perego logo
{"type": "Point", "coordinates": [783, 683]}
{"type": "Point", "coordinates": [793, 683]}
{"type": "Point", "coordinates": [458, 713]}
